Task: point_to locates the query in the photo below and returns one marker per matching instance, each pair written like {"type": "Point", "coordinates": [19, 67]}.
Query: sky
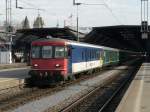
{"type": "Point", "coordinates": [120, 12]}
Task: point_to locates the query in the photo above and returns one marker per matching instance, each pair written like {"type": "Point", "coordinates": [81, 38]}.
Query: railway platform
{"type": "Point", "coordinates": [12, 75]}
{"type": "Point", "coordinates": [13, 65]}
{"type": "Point", "coordinates": [137, 97]}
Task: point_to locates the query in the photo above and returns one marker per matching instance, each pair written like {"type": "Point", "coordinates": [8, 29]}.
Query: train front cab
{"type": "Point", "coordinates": [48, 62]}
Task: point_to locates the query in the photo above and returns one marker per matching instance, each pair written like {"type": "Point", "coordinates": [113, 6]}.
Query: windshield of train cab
{"type": "Point", "coordinates": [46, 52]}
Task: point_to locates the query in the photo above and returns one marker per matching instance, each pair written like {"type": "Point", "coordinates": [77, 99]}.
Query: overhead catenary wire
{"type": "Point", "coordinates": [29, 4]}
{"type": "Point", "coordinates": [106, 6]}
{"type": "Point", "coordinates": [31, 7]}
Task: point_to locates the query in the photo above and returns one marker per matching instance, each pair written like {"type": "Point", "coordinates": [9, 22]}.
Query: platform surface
{"type": "Point", "coordinates": [137, 97]}
{"type": "Point", "coordinates": [12, 77]}
{"type": "Point", "coordinates": [13, 65]}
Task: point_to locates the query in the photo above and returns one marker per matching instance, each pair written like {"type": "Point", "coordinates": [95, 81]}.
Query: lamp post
{"type": "Point", "coordinates": [77, 4]}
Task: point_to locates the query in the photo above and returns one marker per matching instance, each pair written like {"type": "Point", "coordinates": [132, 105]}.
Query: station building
{"type": "Point", "coordinates": [5, 52]}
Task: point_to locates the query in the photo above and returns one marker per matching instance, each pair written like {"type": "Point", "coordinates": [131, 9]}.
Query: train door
{"type": "Point", "coordinates": [86, 58]}
{"type": "Point", "coordinates": [70, 59]}
{"type": "Point", "coordinates": [101, 55]}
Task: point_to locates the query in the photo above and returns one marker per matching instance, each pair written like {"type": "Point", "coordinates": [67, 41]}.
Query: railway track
{"type": "Point", "coordinates": [6, 90]}
{"type": "Point", "coordinates": [103, 99]}
{"type": "Point", "coordinates": [18, 95]}
{"type": "Point", "coordinates": [111, 104]}
{"type": "Point", "coordinates": [15, 99]}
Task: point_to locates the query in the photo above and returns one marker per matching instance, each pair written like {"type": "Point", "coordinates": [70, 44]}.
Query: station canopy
{"type": "Point", "coordinates": [126, 37]}
{"type": "Point", "coordinates": [24, 37]}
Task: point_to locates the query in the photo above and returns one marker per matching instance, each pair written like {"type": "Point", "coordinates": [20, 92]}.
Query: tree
{"type": "Point", "coordinates": [25, 23]}
{"type": "Point", "coordinates": [38, 23]}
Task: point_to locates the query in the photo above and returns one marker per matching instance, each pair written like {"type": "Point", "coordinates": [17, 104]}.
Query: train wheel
{"type": "Point", "coordinates": [90, 72]}
{"type": "Point", "coordinates": [58, 78]}
{"type": "Point", "coordinates": [29, 82]}
{"type": "Point", "coordinates": [72, 77]}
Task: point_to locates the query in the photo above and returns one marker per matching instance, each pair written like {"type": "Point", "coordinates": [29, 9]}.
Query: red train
{"type": "Point", "coordinates": [56, 59]}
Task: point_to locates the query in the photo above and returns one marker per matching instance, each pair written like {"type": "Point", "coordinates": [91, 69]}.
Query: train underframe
{"type": "Point", "coordinates": [40, 78]}
{"type": "Point", "coordinates": [44, 77]}
{"type": "Point", "coordinates": [47, 77]}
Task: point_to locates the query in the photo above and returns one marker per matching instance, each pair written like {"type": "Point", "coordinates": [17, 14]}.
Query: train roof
{"type": "Point", "coordinates": [76, 43]}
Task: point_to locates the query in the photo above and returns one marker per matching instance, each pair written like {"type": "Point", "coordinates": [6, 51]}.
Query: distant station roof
{"type": "Point", "coordinates": [27, 34]}
{"type": "Point", "coordinates": [126, 37]}
{"type": "Point", "coordinates": [24, 37]}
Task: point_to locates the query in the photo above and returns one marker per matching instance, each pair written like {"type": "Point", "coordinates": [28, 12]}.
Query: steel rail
{"type": "Point", "coordinates": [78, 101]}
{"type": "Point", "coordinates": [81, 99]}
{"type": "Point", "coordinates": [10, 88]}
{"type": "Point", "coordinates": [116, 92]}
{"type": "Point", "coordinates": [71, 106]}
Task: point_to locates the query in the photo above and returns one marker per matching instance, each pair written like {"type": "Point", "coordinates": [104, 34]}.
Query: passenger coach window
{"type": "Point", "coordinates": [59, 52]}
{"type": "Point", "coordinates": [47, 52]}
{"type": "Point", "coordinates": [35, 52]}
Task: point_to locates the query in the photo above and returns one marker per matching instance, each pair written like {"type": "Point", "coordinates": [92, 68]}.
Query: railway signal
{"type": "Point", "coordinates": [144, 19]}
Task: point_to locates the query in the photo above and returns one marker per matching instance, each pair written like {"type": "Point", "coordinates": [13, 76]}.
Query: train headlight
{"type": "Point", "coordinates": [35, 65]}
{"type": "Point", "coordinates": [57, 65]}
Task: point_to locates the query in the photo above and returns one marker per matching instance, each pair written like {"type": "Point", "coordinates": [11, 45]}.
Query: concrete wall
{"type": "Point", "coordinates": [5, 57]}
